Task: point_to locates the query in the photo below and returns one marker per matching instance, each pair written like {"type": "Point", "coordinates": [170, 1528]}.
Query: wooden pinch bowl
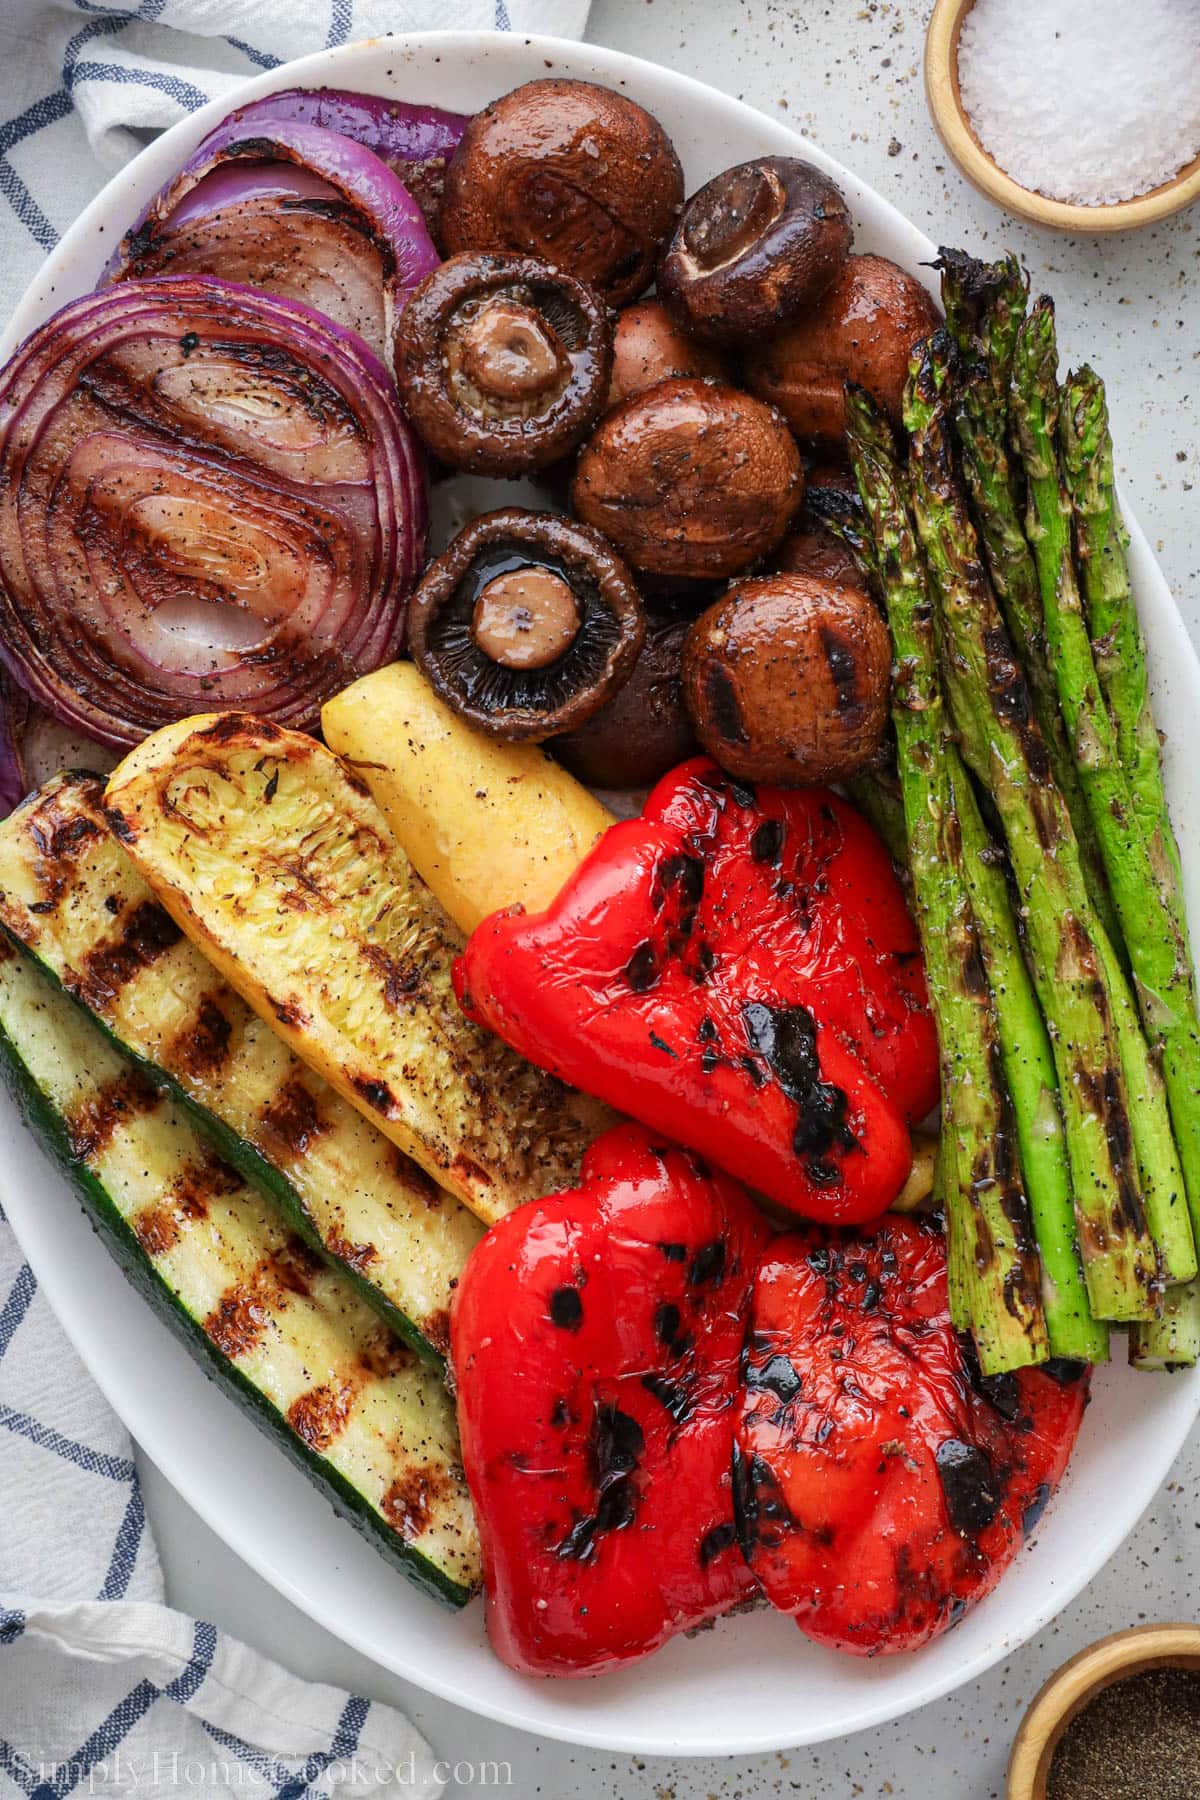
{"type": "Point", "coordinates": [1079, 1681]}
{"type": "Point", "coordinates": [984, 172]}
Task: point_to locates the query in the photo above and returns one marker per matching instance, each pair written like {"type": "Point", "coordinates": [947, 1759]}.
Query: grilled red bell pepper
{"type": "Point", "coordinates": [738, 970]}
{"type": "Point", "coordinates": [595, 1340]}
{"type": "Point", "coordinates": [883, 1485]}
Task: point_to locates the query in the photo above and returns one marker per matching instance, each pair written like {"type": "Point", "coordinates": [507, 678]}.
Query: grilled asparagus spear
{"type": "Point", "coordinates": [993, 1264]}
{"type": "Point", "coordinates": [1120, 659]}
{"type": "Point", "coordinates": [1082, 991]}
{"type": "Point", "coordinates": [985, 304]}
{"type": "Point", "coordinates": [1154, 929]}
{"type": "Point", "coordinates": [1028, 1060]}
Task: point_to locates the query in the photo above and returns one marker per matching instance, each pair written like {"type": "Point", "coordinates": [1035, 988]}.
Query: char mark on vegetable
{"type": "Point", "coordinates": [292, 1120]}
{"type": "Point", "coordinates": [90, 1126]}
{"type": "Point", "coordinates": [147, 934]}
{"type": "Point", "coordinates": [615, 1448]}
{"type": "Point", "coordinates": [970, 1486]}
{"type": "Point", "coordinates": [202, 1047]}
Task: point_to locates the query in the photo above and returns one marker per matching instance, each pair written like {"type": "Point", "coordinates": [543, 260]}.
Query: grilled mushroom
{"type": "Point", "coordinates": [649, 347]}
{"type": "Point", "coordinates": [863, 329]}
{"type": "Point", "coordinates": [569, 171]}
{"type": "Point", "coordinates": [644, 730]}
{"type": "Point", "coordinates": [787, 680]}
{"type": "Point", "coordinates": [502, 362]}
{"type": "Point", "coordinates": [690, 478]}
{"type": "Point", "coordinates": [754, 247]}
{"type": "Point", "coordinates": [526, 624]}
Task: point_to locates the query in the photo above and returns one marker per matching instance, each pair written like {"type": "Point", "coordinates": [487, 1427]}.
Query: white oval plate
{"type": "Point", "coordinates": [753, 1683]}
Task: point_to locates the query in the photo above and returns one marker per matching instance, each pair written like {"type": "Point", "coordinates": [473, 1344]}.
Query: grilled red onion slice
{"type": "Point", "coordinates": [295, 210]}
{"type": "Point", "coordinates": [14, 717]}
{"type": "Point", "coordinates": [208, 498]}
{"type": "Point", "coordinates": [415, 141]}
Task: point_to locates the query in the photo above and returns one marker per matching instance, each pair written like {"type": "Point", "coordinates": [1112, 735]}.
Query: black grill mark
{"type": "Point", "coordinates": [766, 846]}
{"type": "Point", "coordinates": [566, 1308]}
{"type": "Point", "coordinates": [202, 1048]}
{"type": "Point", "coordinates": [292, 1120]}
{"type": "Point", "coordinates": [969, 1485]}
{"type": "Point", "coordinates": [714, 1542]}
{"type": "Point", "coordinates": [91, 1126]}
{"type": "Point", "coordinates": [615, 1448]}
{"type": "Point", "coordinates": [840, 659]}
{"type": "Point", "coordinates": [147, 935]}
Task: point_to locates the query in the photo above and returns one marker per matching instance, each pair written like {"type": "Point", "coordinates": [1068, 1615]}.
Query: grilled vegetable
{"type": "Point", "coordinates": [596, 1338]}
{"type": "Point", "coordinates": [275, 860]}
{"type": "Point", "coordinates": [486, 824]}
{"type": "Point", "coordinates": [1129, 1207]}
{"type": "Point", "coordinates": [288, 1338]}
{"type": "Point", "coordinates": [71, 897]}
{"type": "Point", "coordinates": [882, 1484]}
{"type": "Point", "coordinates": [737, 970]}
{"type": "Point", "coordinates": [205, 494]}
{"type": "Point", "coordinates": [1152, 920]}
{"type": "Point", "coordinates": [995, 1274]}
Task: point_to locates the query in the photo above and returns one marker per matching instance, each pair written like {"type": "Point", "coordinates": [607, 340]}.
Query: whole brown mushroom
{"type": "Point", "coordinates": [863, 330]}
{"type": "Point", "coordinates": [644, 730]}
{"type": "Point", "coordinates": [787, 680]}
{"type": "Point", "coordinates": [757, 245]}
{"type": "Point", "coordinates": [502, 362]}
{"type": "Point", "coordinates": [649, 347]}
{"type": "Point", "coordinates": [813, 547]}
{"type": "Point", "coordinates": [526, 623]}
{"type": "Point", "coordinates": [570, 171]}
{"type": "Point", "coordinates": [690, 478]}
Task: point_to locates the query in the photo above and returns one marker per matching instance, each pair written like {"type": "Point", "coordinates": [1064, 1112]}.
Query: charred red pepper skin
{"type": "Point", "coordinates": [595, 1339]}
{"type": "Point", "coordinates": [695, 962]}
{"type": "Point", "coordinates": [883, 1485]}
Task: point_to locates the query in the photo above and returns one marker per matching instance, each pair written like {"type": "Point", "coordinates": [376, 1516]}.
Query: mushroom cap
{"type": "Point", "coordinates": [649, 347]}
{"type": "Point", "coordinates": [754, 247]}
{"type": "Point", "coordinates": [497, 404]}
{"type": "Point", "coordinates": [514, 699]}
{"type": "Point", "coordinates": [570, 171]}
{"type": "Point", "coordinates": [690, 478]}
{"type": "Point", "coordinates": [863, 329]}
{"type": "Point", "coordinates": [787, 679]}
{"type": "Point", "coordinates": [644, 730]}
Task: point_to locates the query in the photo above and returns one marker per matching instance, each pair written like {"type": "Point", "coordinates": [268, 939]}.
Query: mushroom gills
{"type": "Point", "coordinates": [496, 687]}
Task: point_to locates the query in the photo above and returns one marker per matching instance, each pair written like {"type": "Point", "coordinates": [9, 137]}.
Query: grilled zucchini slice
{"type": "Point", "coordinates": [276, 861]}
{"type": "Point", "coordinates": [71, 897]}
{"type": "Point", "coordinates": [284, 1334]}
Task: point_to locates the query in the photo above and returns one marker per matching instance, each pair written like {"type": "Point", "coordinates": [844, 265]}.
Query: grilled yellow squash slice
{"type": "Point", "coordinates": [273, 857]}
{"type": "Point", "coordinates": [71, 897]}
{"type": "Point", "coordinates": [485, 823]}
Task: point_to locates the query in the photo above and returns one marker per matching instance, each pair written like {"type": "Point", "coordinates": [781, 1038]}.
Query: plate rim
{"type": "Point", "coordinates": [320, 69]}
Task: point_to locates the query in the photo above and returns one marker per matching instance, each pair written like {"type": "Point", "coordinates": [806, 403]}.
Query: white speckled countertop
{"type": "Point", "coordinates": [849, 75]}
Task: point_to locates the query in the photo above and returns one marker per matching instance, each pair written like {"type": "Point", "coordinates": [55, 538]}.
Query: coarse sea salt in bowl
{"type": "Point", "coordinates": [1081, 115]}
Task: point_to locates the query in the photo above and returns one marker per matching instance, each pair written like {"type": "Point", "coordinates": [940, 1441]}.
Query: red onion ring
{"type": "Point", "coordinates": [208, 498]}
{"type": "Point", "coordinates": [415, 141]}
{"type": "Point", "coordinates": [233, 209]}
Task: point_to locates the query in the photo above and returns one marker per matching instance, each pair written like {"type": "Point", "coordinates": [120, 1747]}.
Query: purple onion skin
{"type": "Point", "coordinates": [395, 130]}
{"type": "Point", "coordinates": [15, 709]}
{"type": "Point", "coordinates": [395, 219]}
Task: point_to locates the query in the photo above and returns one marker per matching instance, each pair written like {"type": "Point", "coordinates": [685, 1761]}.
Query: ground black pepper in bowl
{"type": "Point", "coordinates": [1139, 1737]}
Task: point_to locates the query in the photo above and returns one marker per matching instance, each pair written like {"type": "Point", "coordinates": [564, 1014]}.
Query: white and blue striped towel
{"type": "Point", "coordinates": [102, 1686]}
